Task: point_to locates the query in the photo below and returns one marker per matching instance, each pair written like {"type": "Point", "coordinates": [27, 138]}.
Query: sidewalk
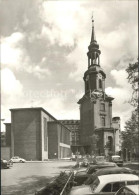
{"type": "Point", "coordinates": [49, 160]}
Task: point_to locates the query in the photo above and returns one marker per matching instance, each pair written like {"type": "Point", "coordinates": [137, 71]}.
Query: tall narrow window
{"type": "Point", "coordinates": [103, 121]}
{"type": "Point", "coordinates": [100, 83]}
{"type": "Point", "coordinates": [102, 106]}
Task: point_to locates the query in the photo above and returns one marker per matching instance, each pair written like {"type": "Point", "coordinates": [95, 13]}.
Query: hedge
{"type": "Point", "coordinates": [56, 186]}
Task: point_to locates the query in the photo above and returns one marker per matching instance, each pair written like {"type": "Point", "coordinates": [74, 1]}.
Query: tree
{"type": "Point", "coordinates": [133, 79]}
{"type": "Point", "coordinates": [130, 136]}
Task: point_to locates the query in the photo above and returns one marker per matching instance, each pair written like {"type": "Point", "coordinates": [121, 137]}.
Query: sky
{"type": "Point", "coordinates": [43, 53]}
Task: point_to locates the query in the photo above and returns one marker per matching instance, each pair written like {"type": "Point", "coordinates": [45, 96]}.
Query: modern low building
{"type": "Point", "coordinates": [37, 135]}
{"type": "Point", "coordinates": [74, 126]}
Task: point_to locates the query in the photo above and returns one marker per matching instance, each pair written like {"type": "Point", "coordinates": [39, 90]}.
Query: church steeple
{"type": "Point", "coordinates": [93, 37]}
{"type": "Point", "coordinates": [94, 52]}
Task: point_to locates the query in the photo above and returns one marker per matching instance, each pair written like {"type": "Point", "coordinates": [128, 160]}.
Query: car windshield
{"type": "Point", "coordinates": [94, 185]}
{"type": "Point", "coordinates": [136, 182]}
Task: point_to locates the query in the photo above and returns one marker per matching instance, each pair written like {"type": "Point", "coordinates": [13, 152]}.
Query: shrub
{"type": "Point", "coordinates": [56, 186]}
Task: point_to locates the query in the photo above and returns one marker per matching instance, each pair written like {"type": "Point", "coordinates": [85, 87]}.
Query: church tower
{"type": "Point", "coordinates": [94, 77]}
{"type": "Point", "coordinates": [96, 130]}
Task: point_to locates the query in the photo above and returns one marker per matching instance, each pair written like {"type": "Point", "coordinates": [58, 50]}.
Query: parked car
{"type": "Point", "coordinates": [106, 184]}
{"type": "Point", "coordinates": [82, 176]}
{"type": "Point", "coordinates": [17, 159]}
{"type": "Point", "coordinates": [108, 171]}
{"type": "Point", "coordinates": [128, 190]}
{"type": "Point", "coordinates": [100, 159]}
{"type": "Point", "coordinates": [5, 164]}
{"type": "Point", "coordinates": [117, 159]}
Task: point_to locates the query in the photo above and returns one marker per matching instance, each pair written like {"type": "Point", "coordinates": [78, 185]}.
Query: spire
{"type": "Point", "coordinates": [94, 52]}
{"type": "Point", "coordinates": [93, 37]}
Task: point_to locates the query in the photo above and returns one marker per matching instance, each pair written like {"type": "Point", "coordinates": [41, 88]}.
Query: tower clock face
{"type": "Point", "coordinates": [100, 76]}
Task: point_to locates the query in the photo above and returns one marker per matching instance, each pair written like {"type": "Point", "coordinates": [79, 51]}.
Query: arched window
{"type": "Point", "coordinates": [100, 83]}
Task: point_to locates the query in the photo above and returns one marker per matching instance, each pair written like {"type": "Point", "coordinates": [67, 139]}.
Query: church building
{"type": "Point", "coordinates": [97, 134]}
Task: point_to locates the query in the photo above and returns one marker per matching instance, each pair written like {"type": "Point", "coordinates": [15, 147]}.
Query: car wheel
{"type": "Point", "coordinates": [21, 161]}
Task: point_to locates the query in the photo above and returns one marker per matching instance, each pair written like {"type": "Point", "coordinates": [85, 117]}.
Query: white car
{"type": "Point", "coordinates": [105, 184]}
{"type": "Point", "coordinates": [128, 190]}
{"type": "Point", "coordinates": [15, 159]}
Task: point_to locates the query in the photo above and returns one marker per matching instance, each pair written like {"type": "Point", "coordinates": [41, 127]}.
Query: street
{"type": "Point", "coordinates": [25, 178]}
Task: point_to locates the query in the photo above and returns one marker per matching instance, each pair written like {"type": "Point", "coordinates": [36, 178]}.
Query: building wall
{"type": "Point", "coordinates": [100, 143]}
{"type": "Point", "coordinates": [91, 114]}
{"type": "Point", "coordinates": [63, 142]}
{"type": "Point", "coordinates": [87, 121]}
{"type": "Point", "coordinates": [52, 141]}
{"type": "Point", "coordinates": [44, 134]}
{"type": "Point", "coordinates": [5, 153]}
{"type": "Point", "coordinates": [98, 113]}
{"type": "Point", "coordinates": [59, 141]}
{"type": "Point", "coordinates": [74, 127]}
{"type": "Point", "coordinates": [26, 133]}
{"type": "Point", "coordinates": [8, 134]}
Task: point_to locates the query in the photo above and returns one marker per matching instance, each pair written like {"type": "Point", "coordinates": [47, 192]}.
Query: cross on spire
{"type": "Point", "coordinates": [92, 17]}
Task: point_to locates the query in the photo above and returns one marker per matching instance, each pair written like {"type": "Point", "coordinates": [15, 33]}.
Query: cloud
{"type": "Point", "coordinates": [120, 77]}
{"type": "Point", "coordinates": [60, 18]}
{"type": "Point", "coordinates": [122, 93]}
{"type": "Point", "coordinates": [44, 45]}
{"type": "Point", "coordinates": [11, 90]}
{"type": "Point", "coordinates": [10, 85]}
{"type": "Point", "coordinates": [11, 53]}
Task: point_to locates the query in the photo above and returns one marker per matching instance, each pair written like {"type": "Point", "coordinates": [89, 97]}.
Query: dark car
{"type": "Point", "coordinates": [108, 171]}
{"type": "Point", "coordinates": [81, 176]}
{"type": "Point", "coordinates": [5, 164]}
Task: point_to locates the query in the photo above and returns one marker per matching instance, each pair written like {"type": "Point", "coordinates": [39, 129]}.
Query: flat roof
{"type": "Point", "coordinates": [42, 109]}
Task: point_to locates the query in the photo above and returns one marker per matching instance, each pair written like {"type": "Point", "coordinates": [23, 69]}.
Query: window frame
{"type": "Point", "coordinates": [102, 106]}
